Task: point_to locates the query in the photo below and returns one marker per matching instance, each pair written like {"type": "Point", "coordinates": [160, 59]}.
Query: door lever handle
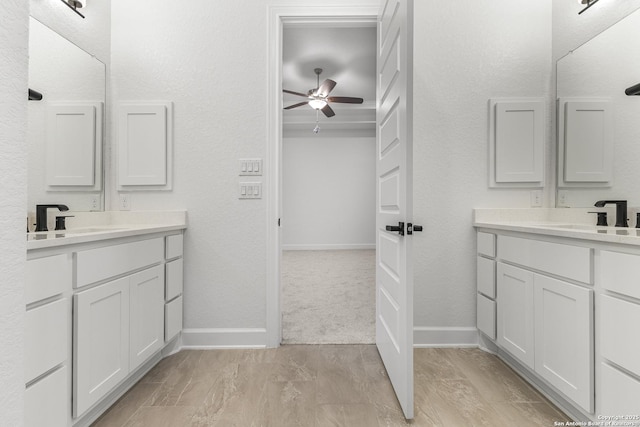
{"type": "Point", "coordinates": [411, 228]}
{"type": "Point", "coordinates": [399, 228]}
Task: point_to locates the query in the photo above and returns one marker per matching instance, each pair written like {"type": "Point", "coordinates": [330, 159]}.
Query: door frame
{"type": "Point", "coordinates": [347, 15]}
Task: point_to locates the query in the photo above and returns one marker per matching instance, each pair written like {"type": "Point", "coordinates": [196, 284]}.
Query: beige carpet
{"type": "Point", "coordinates": [328, 297]}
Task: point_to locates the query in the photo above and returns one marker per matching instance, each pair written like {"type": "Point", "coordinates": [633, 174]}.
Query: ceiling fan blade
{"type": "Point", "coordinates": [295, 93]}
{"type": "Point", "coordinates": [345, 99]}
{"type": "Point", "coordinates": [299, 104]}
{"type": "Point", "coordinates": [326, 87]}
{"type": "Point", "coordinates": [328, 111]}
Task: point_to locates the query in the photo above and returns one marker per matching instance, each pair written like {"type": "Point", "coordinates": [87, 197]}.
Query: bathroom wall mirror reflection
{"type": "Point", "coordinates": [66, 127]}
{"type": "Point", "coordinates": [598, 126]}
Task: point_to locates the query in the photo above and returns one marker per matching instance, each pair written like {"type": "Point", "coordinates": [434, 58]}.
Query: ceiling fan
{"type": "Point", "coordinates": [319, 99]}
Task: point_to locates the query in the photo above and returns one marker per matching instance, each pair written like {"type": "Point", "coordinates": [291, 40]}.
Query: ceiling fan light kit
{"type": "Point", "coordinates": [319, 98]}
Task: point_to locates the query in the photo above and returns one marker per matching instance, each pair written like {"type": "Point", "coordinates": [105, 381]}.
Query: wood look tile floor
{"type": "Point", "coordinates": [327, 385]}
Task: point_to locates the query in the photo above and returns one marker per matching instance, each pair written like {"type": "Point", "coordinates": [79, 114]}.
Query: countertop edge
{"type": "Point", "coordinates": [131, 230]}
{"type": "Point", "coordinates": [540, 229]}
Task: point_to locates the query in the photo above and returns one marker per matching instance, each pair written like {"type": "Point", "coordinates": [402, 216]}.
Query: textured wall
{"type": "Point", "coordinates": [465, 53]}
{"type": "Point", "coordinates": [13, 174]}
{"type": "Point", "coordinates": [210, 59]}
{"type": "Point", "coordinates": [212, 64]}
{"type": "Point", "coordinates": [329, 191]}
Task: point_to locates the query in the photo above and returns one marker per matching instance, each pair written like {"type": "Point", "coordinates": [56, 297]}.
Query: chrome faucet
{"type": "Point", "coordinates": [621, 210]}
{"type": "Point", "coordinates": [41, 215]}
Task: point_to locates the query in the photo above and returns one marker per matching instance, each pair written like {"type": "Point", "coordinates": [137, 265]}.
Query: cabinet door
{"type": "Point", "coordinates": [515, 312]}
{"type": "Point", "coordinates": [564, 343]}
{"type": "Point", "coordinates": [101, 342]}
{"type": "Point", "coordinates": [146, 314]}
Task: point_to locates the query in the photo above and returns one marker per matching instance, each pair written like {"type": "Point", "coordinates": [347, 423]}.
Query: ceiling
{"type": "Point", "coordinates": [347, 56]}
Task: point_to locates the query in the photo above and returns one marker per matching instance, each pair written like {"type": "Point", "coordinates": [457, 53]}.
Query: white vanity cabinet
{"type": "Point", "coordinates": [118, 324]}
{"type": "Point", "coordinates": [619, 383]}
{"type": "Point", "coordinates": [174, 286]}
{"type": "Point", "coordinates": [486, 284]}
{"type": "Point", "coordinates": [47, 343]}
{"type": "Point", "coordinates": [544, 319]}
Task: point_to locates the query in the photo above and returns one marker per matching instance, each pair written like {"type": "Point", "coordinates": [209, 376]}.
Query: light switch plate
{"type": "Point", "coordinates": [250, 190]}
{"type": "Point", "coordinates": [250, 167]}
{"type": "Point", "coordinates": [536, 198]}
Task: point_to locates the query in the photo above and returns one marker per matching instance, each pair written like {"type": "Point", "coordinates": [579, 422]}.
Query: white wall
{"type": "Point", "coordinates": [13, 194]}
{"type": "Point", "coordinates": [210, 59]}
{"type": "Point", "coordinates": [328, 193]}
{"type": "Point", "coordinates": [465, 53]}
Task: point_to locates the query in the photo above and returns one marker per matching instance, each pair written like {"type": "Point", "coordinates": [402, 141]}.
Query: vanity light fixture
{"type": "Point", "coordinates": [633, 90]}
{"type": "Point", "coordinates": [77, 4]}
{"type": "Point", "coordinates": [589, 3]}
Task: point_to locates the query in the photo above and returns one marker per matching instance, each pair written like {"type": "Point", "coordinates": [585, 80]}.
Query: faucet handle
{"type": "Point", "coordinates": [602, 218]}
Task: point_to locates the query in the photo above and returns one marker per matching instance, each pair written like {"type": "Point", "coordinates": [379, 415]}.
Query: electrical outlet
{"type": "Point", "coordinates": [95, 202]}
{"type": "Point", "coordinates": [125, 202]}
{"type": "Point", "coordinates": [536, 198]}
{"type": "Point", "coordinates": [563, 198]}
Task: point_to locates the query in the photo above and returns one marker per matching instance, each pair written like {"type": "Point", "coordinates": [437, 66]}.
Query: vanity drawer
{"type": "Point", "coordinates": [173, 286]}
{"type": "Point", "coordinates": [621, 273]}
{"type": "Point", "coordinates": [172, 318]}
{"type": "Point", "coordinates": [46, 403]}
{"type": "Point", "coordinates": [99, 264]}
{"type": "Point", "coordinates": [568, 261]}
{"type": "Point", "coordinates": [46, 340]}
{"type": "Point", "coordinates": [617, 345]}
{"type": "Point", "coordinates": [486, 316]}
{"type": "Point", "coordinates": [618, 392]}
{"type": "Point", "coordinates": [486, 244]}
{"type": "Point", "coordinates": [47, 277]}
{"type": "Point", "coordinates": [174, 246]}
{"type": "Point", "coordinates": [486, 277]}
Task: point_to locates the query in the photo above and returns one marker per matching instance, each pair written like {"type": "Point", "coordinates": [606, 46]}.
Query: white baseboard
{"type": "Point", "coordinates": [201, 338]}
{"type": "Point", "coordinates": [329, 247]}
{"type": "Point", "coordinates": [424, 337]}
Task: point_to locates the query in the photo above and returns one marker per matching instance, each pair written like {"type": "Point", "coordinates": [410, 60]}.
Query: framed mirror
{"type": "Point", "coordinates": [66, 114]}
{"type": "Point", "coordinates": [598, 127]}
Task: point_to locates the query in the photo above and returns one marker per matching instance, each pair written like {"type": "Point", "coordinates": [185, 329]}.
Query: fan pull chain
{"type": "Point", "coordinates": [317, 128]}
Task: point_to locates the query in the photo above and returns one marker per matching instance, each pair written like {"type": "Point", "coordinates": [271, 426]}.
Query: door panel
{"type": "Point", "coordinates": [394, 273]}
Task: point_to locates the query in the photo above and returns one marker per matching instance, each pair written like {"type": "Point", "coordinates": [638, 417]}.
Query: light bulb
{"type": "Point", "coordinates": [317, 104]}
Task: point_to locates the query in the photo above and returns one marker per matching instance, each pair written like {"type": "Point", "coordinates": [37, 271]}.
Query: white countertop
{"type": "Point", "coordinates": [88, 227]}
{"type": "Point", "coordinates": [568, 223]}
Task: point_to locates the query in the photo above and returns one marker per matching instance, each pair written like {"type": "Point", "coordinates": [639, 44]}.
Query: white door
{"type": "Point", "coordinates": [394, 269]}
{"type": "Point", "coordinates": [101, 342]}
{"type": "Point", "coordinates": [515, 312]}
{"type": "Point", "coordinates": [564, 320]}
{"type": "Point", "coordinates": [146, 314]}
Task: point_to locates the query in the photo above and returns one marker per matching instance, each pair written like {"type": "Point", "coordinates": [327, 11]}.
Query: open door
{"type": "Point", "coordinates": [394, 269]}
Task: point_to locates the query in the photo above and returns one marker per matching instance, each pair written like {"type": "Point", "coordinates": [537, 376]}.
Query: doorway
{"type": "Point", "coordinates": [327, 281]}
{"type": "Point", "coordinates": [394, 279]}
